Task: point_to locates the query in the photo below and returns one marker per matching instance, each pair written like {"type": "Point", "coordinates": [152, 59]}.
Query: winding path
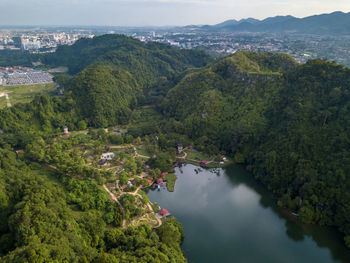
{"type": "Point", "coordinates": [117, 201]}
{"type": "Point", "coordinates": [6, 95]}
{"type": "Point", "coordinates": [140, 155]}
{"type": "Point", "coordinates": [192, 160]}
{"type": "Point", "coordinates": [155, 215]}
{"type": "Point", "coordinates": [135, 193]}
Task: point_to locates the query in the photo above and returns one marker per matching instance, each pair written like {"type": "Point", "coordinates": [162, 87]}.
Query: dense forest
{"type": "Point", "coordinates": [286, 122]}
{"type": "Point", "coordinates": [127, 53]}
{"type": "Point", "coordinates": [15, 58]}
{"type": "Point", "coordinates": [154, 66]}
{"type": "Point", "coordinates": [105, 95]}
{"type": "Point", "coordinates": [48, 217]}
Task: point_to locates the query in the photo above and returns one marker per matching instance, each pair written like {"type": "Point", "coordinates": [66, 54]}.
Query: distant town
{"type": "Point", "coordinates": [39, 40]}
{"type": "Point", "coordinates": [301, 46]}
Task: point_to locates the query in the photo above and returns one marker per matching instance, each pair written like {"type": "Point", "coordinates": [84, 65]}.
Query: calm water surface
{"type": "Point", "coordinates": [228, 217]}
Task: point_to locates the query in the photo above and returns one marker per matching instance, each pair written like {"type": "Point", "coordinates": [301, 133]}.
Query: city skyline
{"type": "Point", "coordinates": [154, 12]}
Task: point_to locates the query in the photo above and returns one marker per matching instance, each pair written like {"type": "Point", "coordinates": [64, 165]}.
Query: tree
{"type": "Point", "coordinates": [171, 232]}
{"type": "Point", "coordinates": [82, 125]}
{"type": "Point", "coordinates": [116, 139]}
{"type": "Point", "coordinates": [36, 150]}
{"type": "Point", "coordinates": [128, 139]}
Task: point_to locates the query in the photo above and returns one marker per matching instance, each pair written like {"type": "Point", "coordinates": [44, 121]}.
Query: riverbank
{"type": "Point", "coordinates": [192, 156]}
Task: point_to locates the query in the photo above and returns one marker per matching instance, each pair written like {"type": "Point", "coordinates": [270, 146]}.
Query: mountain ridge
{"type": "Point", "coordinates": [334, 23]}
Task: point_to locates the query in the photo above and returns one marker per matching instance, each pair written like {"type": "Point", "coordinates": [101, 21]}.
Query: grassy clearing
{"type": "Point", "coordinates": [2, 101]}
{"type": "Point", "coordinates": [199, 156]}
{"type": "Point", "coordinates": [170, 185]}
{"type": "Point", "coordinates": [142, 150]}
{"type": "Point", "coordinates": [24, 93]}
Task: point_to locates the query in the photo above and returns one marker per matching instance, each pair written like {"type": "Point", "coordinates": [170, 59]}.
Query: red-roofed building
{"type": "Point", "coordinates": [163, 174]}
{"type": "Point", "coordinates": [163, 212]}
{"type": "Point", "coordinates": [203, 163]}
{"type": "Point", "coordinates": [159, 180]}
{"type": "Point", "coordinates": [19, 151]}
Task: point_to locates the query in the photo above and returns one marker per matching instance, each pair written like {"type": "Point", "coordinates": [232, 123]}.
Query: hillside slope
{"type": "Point", "coordinates": [288, 123]}
{"type": "Point", "coordinates": [147, 61]}
{"type": "Point", "coordinates": [228, 94]}
{"type": "Point", "coordinates": [105, 95]}
{"type": "Point", "coordinates": [49, 217]}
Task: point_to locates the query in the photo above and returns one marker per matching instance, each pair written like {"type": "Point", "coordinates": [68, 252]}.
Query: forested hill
{"type": "Point", "coordinates": [111, 75]}
{"type": "Point", "coordinates": [288, 123]}
{"type": "Point", "coordinates": [146, 61]}
{"type": "Point", "coordinates": [224, 93]}
{"type": "Point", "coordinates": [114, 73]}
{"type": "Point", "coordinates": [105, 95]}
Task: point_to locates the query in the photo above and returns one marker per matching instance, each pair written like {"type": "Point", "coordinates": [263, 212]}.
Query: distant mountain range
{"type": "Point", "coordinates": [334, 23]}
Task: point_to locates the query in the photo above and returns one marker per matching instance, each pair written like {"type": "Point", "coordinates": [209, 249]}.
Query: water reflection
{"type": "Point", "coordinates": [325, 237]}
{"type": "Point", "coordinates": [229, 217]}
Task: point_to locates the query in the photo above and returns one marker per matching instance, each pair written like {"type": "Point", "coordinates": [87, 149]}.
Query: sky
{"type": "Point", "coordinates": [155, 12]}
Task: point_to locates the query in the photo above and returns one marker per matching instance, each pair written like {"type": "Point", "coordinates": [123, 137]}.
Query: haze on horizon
{"type": "Point", "coordinates": [155, 12]}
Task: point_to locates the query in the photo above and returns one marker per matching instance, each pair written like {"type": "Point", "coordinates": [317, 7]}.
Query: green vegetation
{"type": "Point", "coordinates": [105, 95]}
{"type": "Point", "coordinates": [154, 66]}
{"type": "Point", "coordinates": [15, 58]}
{"type": "Point", "coordinates": [44, 116]}
{"type": "Point", "coordinates": [170, 182]}
{"type": "Point", "coordinates": [163, 161]}
{"type": "Point", "coordinates": [289, 127]}
{"type": "Point", "coordinates": [258, 63]}
{"type": "Point", "coordinates": [53, 208]}
{"type": "Point", "coordinates": [287, 123]}
{"type": "Point", "coordinates": [126, 53]}
{"type": "Point", "coordinates": [24, 93]}
{"type": "Point", "coordinates": [197, 155]}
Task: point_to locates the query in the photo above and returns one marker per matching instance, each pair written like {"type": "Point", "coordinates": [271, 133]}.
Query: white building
{"type": "Point", "coordinates": [107, 156]}
{"type": "Point", "coordinates": [65, 130]}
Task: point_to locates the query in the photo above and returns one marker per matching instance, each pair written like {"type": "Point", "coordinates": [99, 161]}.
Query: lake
{"type": "Point", "coordinates": [229, 217]}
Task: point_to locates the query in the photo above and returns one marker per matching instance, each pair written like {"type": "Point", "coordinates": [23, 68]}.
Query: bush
{"type": "Point", "coordinates": [239, 158]}
{"type": "Point", "coordinates": [82, 125]}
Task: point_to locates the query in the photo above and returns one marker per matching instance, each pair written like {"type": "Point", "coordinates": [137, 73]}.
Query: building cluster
{"type": "Point", "coordinates": [23, 76]}
{"type": "Point", "coordinates": [7, 42]}
{"type": "Point", "coordinates": [40, 41]}
{"type": "Point", "coordinates": [301, 47]}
